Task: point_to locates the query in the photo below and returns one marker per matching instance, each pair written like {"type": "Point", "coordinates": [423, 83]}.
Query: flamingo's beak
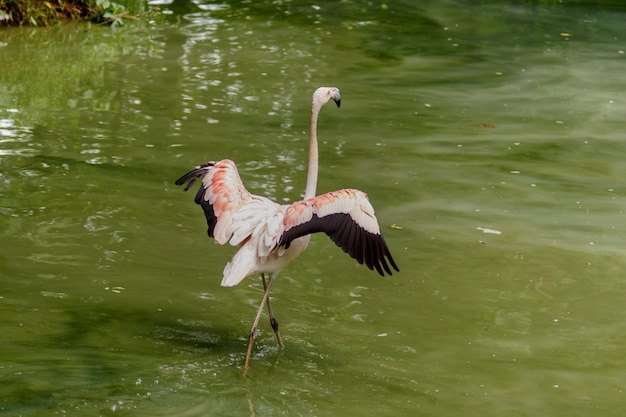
{"type": "Point", "coordinates": [336, 97]}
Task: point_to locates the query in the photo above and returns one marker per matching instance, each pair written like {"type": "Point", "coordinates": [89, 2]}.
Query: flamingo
{"type": "Point", "coordinates": [270, 235]}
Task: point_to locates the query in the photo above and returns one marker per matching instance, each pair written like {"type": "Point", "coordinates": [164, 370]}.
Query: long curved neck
{"type": "Point", "coordinates": [311, 178]}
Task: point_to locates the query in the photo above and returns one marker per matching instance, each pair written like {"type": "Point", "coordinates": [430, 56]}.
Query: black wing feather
{"type": "Point", "coordinates": [365, 247]}
{"type": "Point", "coordinates": [190, 178]}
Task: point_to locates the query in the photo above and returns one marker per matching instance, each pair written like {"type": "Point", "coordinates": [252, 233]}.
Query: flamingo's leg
{"type": "Point", "coordinates": [252, 334]}
{"type": "Point", "coordinates": [273, 321]}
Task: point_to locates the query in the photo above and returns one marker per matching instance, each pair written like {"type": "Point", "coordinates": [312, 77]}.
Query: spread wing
{"type": "Point", "coordinates": [347, 217]}
{"type": "Point", "coordinates": [221, 196]}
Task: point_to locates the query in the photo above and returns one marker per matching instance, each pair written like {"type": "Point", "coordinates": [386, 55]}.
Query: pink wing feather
{"type": "Point", "coordinates": [222, 194]}
{"type": "Point", "coordinates": [348, 218]}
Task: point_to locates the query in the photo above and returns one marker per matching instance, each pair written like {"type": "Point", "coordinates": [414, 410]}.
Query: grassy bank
{"type": "Point", "coordinates": [50, 12]}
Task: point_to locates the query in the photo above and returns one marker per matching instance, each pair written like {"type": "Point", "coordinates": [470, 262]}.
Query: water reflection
{"type": "Point", "coordinates": [14, 138]}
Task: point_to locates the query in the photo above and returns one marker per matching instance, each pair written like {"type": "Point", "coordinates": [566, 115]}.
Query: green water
{"type": "Point", "coordinates": [489, 137]}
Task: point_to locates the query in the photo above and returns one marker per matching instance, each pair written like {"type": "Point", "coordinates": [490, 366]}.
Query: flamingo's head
{"type": "Point", "coordinates": [323, 95]}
